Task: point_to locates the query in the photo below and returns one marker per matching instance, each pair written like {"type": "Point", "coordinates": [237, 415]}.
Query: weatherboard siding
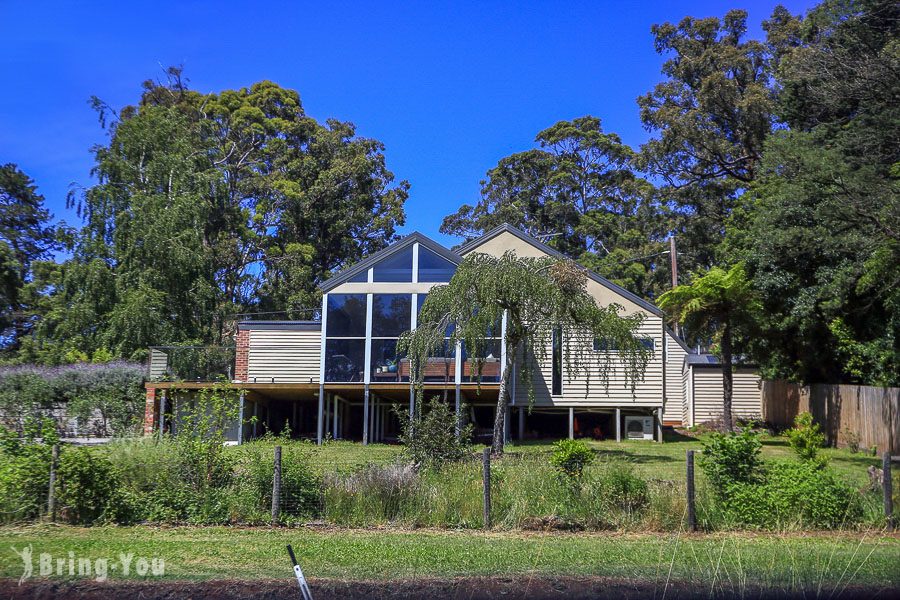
{"type": "Point", "coordinates": [708, 394]}
{"type": "Point", "coordinates": [284, 356]}
{"type": "Point", "coordinates": [674, 409]}
{"type": "Point", "coordinates": [586, 387]}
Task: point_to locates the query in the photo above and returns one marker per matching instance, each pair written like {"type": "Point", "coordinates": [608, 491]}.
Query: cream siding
{"type": "Point", "coordinates": [159, 364]}
{"type": "Point", "coordinates": [687, 385]}
{"type": "Point", "coordinates": [675, 397]}
{"type": "Point", "coordinates": [284, 356]}
{"type": "Point", "coordinates": [707, 393]}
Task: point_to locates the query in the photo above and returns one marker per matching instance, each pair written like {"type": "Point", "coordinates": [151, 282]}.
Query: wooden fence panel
{"type": "Point", "coordinates": [871, 413]}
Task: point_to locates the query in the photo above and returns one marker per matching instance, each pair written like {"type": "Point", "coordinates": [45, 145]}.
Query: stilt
{"type": "Point", "coordinates": [506, 425]}
{"type": "Point", "coordinates": [334, 420]}
{"type": "Point", "coordinates": [320, 416]}
{"type": "Point", "coordinates": [412, 403]}
{"type": "Point", "coordinates": [294, 426]}
{"type": "Point", "coordinates": [366, 416]}
{"type": "Point", "coordinates": [659, 433]}
{"type": "Point", "coordinates": [240, 429]}
{"type": "Point", "coordinates": [618, 424]}
{"type": "Point", "coordinates": [521, 423]}
{"type": "Point", "coordinates": [571, 422]}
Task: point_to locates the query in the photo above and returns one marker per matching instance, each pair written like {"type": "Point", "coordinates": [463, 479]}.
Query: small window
{"type": "Point", "coordinates": [557, 362]}
{"type": "Point", "coordinates": [361, 277]}
{"type": "Point", "coordinates": [396, 268]}
{"type": "Point", "coordinates": [434, 268]}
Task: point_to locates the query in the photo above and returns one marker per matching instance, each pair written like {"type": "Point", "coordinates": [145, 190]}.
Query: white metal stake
{"type": "Point", "coordinates": [298, 573]}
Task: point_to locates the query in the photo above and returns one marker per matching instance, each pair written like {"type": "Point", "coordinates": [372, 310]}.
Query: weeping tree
{"type": "Point", "coordinates": [531, 299]}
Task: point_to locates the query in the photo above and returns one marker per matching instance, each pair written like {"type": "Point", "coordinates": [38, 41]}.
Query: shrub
{"type": "Point", "coordinates": [624, 490]}
{"type": "Point", "coordinates": [805, 437]}
{"type": "Point", "coordinates": [430, 438]}
{"type": "Point", "coordinates": [25, 469]}
{"type": "Point", "coordinates": [852, 439]}
{"type": "Point", "coordinates": [798, 494]}
{"type": "Point", "coordinates": [570, 457]}
{"type": "Point", "coordinates": [731, 458]}
{"type": "Point", "coordinates": [87, 484]}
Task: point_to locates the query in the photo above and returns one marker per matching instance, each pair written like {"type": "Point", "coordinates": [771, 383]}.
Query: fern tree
{"type": "Point", "coordinates": [714, 305]}
{"type": "Point", "coordinates": [534, 296]}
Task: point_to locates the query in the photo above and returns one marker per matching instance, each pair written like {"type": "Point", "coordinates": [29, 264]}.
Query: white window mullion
{"type": "Point", "coordinates": [367, 374]}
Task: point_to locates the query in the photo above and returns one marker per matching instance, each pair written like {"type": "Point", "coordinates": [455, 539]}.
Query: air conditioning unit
{"type": "Point", "coordinates": [639, 428]}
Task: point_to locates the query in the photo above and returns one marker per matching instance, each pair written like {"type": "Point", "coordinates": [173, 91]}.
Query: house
{"type": "Point", "coordinates": [339, 375]}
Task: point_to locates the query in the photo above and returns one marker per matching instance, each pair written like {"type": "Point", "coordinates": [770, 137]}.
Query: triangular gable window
{"type": "Point", "coordinates": [434, 268]}
{"type": "Point", "coordinates": [395, 268]}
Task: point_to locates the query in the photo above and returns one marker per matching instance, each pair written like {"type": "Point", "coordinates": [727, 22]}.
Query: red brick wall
{"type": "Point", "coordinates": [150, 411]}
{"type": "Point", "coordinates": [241, 353]}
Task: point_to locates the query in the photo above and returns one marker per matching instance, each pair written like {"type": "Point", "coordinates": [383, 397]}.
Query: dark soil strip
{"type": "Point", "coordinates": [473, 588]}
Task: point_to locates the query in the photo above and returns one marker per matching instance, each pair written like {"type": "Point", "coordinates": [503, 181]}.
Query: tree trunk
{"type": "Point", "coordinates": [500, 417]}
{"type": "Point", "coordinates": [727, 377]}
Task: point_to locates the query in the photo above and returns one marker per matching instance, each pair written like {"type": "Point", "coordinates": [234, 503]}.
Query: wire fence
{"type": "Point", "coordinates": [299, 483]}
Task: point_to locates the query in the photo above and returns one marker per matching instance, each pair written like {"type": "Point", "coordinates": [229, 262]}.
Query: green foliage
{"type": "Point", "coordinates": [570, 457]}
{"type": "Point", "coordinates": [430, 438]}
{"type": "Point", "coordinates": [806, 438]}
{"type": "Point", "coordinates": [711, 114]}
{"type": "Point", "coordinates": [795, 495]}
{"type": "Point", "coordinates": [624, 490]}
{"type": "Point", "coordinates": [26, 237]}
{"type": "Point", "coordinates": [373, 494]}
{"type": "Point", "coordinates": [731, 458]}
{"type": "Point", "coordinates": [25, 469]}
{"type": "Point", "coordinates": [88, 487]}
{"type": "Point", "coordinates": [818, 229]}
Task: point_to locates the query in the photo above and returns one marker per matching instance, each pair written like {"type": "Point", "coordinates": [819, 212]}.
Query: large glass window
{"type": "Point", "coordinates": [361, 277]}
{"type": "Point", "coordinates": [346, 315]}
{"type": "Point", "coordinates": [434, 268]}
{"type": "Point", "coordinates": [397, 268]}
{"type": "Point", "coordinates": [391, 314]}
{"type": "Point", "coordinates": [345, 360]}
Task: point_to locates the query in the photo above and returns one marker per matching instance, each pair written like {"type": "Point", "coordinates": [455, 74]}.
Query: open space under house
{"type": "Point", "coordinates": [339, 375]}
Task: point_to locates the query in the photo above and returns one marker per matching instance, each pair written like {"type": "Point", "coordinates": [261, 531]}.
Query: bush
{"type": "Point", "coordinates": [794, 494]}
{"type": "Point", "coordinates": [430, 438]}
{"type": "Point", "coordinates": [805, 438]}
{"type": "Point", "coordinates": [87, 483]}
{"type": "Point", "coordinates": [624, 490]}
{"type": "Point", "coordinates": [570, 457]}
{"type": "Point", "coordinates": [25, 469]}
{"type": "Point", "coordinates": [732, 458]}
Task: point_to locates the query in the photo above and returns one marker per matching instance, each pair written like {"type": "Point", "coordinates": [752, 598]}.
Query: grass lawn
{"type": "Point", "coordinates": [649, 459]}
{"type": "Point", "coordinates": [733, 560]}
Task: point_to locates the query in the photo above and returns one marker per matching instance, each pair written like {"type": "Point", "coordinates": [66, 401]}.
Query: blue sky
{"type": "Point", "coordinates": [449, 88]}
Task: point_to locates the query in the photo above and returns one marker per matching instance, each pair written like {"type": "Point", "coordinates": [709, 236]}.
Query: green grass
{"type": "Point", "coordinates": [788, 562]}
{"type": "Point", "coordinates": [649, 459]}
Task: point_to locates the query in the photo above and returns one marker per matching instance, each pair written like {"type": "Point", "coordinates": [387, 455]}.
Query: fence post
{"type": "Point", "coordinates": [691, 505]}
{"type": "Point", "coordinates": [51, 493]}
{"type": "Point", "coordinates": [276, 486]}
{"type": "Point", "coordinates": [888, 490]}
{"type": "Point", "coordinates": [487, 487]}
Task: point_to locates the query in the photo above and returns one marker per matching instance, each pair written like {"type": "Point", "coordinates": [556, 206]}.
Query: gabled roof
{"type": "Point", "coordinates": [507, 228]}
{"type": "Point", "coordinates": [679, 341]}
{"type": "Point", "coordinates": [404, 242]}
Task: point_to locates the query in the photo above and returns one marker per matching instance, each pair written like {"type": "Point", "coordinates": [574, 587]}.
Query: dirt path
{"type": "Point", "coordinates": [475, 588]}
